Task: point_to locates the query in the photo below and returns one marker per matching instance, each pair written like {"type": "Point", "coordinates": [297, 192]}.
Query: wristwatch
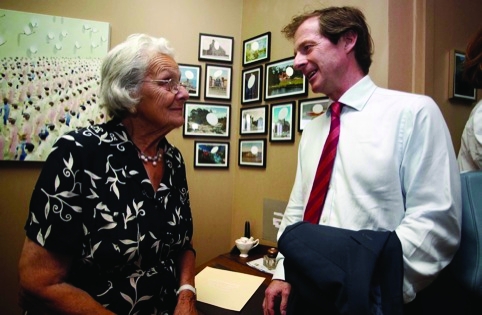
{"type": "Point", "coordinates": [186, 287]}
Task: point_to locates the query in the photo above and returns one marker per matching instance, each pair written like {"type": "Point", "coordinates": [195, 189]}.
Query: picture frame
{"type": "Point", "coordinates": [206, 120]}
{"type": "Point", "coordinates": [458, 87]}
{"type": "Point", "coordinates": [211, 154]}
{"type": "Point", "coordinates": [257, 49]}
{"type": "Point", "coordinates": [310, 108]}
{"type": "Point", "coordinates": [253, 120]}
{"type": "Point", "coordinates": [282, 80]}
{"type": "Point", "coordinates": [252, 152]}
{"type": "Point", "coordinates": [252, 85]}
{"type": "Point", "coordinates": [217, 48]}
{"type": "Point", "coordinates": [218, 81]}
{"type": "Point", "coordinates": [191, 79]}
{"type": "Point", "coordinates": [282, 122]}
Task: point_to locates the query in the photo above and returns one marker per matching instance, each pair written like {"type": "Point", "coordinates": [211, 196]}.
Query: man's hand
{"type": "Point", "coordinates": [277, 289]}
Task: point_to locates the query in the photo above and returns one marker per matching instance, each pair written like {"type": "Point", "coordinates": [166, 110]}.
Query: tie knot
{"type": "Point", "coordinates": [336, 108]}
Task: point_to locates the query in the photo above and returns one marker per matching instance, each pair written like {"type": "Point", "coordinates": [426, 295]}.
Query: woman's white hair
{"type": "Point", "coordinates": [123, 70]}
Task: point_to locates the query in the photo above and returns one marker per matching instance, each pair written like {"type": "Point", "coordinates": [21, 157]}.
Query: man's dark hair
{"type": "Point", "coordinates": [334, 22]}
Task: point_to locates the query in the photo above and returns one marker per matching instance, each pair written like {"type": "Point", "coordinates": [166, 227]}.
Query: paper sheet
{"type": "Point", "coordinates": [226, 289]}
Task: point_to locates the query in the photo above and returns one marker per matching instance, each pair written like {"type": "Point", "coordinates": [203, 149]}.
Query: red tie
{"type": "Point", "coordinates": [325, 166]}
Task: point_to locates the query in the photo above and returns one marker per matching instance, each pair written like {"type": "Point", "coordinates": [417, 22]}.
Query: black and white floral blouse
{"type": "Point", "coordinates": [93, 200]}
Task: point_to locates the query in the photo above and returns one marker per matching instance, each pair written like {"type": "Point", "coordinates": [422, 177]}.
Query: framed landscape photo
{"type": "Point", "coordinates": [191, 79]}
{"type": "Point", "coordinates": [252, 152]}
{"type": "Point", "coordinates": [206, 120]}
{"type": "Point", "coordinates": [218, 82]}
{"type": "Point", "coordinates": [282, 119]}
{"type": "Point", "coordinates": [252, 85]}
{"type": "Point", "coordinates": [215, 48]}
{"type": "Point", "coordinates": [211, 154]}
{"type": "Point", "coordinates": [253, 120]}
{"type": "Point", "coordinates": [256, 49]}
{"type": "Point", "coordinates": [282, 80]}
{"type": "Point", "coordinates": [458, 87]}
{"type": "Point", "coordinates": [309, 109]}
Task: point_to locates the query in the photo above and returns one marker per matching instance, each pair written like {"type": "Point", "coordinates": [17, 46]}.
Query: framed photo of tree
{"type": "Point", "coordinates": [206, 120]}
{"type": "Point", "coordinates": [282, 80]}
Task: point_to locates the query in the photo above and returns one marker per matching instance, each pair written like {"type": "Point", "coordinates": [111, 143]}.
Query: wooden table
{"type": "Point", "coordinates": [232, 262]}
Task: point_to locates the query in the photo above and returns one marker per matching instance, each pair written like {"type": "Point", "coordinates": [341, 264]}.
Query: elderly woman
{"type": "Point", "coordinates": [110, 226]}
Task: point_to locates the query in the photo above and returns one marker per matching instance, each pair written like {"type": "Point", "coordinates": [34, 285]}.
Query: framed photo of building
{"type": "Point", "coordinates": [282, 80]}
{"type": "Point", "coordinates": [256, 49]}
{"type": "Point", "coordinates": [458, 87]}
{"type": "Point", "coordinates": [215, 48]}
{"type": "Point", "coordinates": [218, 82]}
{"type": "Point", "coordinates": [211, 154]}
{"type": "Point", "coordinates": [309, 109]}
{"type": "Point", "coordinates": [252, 152]}
{"type": "Point", "coordinates": [253, 120]}
{"type": "Point", "coordinates": [282, 122]}
{"type": "Point", "coordinates": [191, 79]}
{"type": "Point", "coordinates": [252, 85]}
{"type": "Point", "coordinates": [206, 120]}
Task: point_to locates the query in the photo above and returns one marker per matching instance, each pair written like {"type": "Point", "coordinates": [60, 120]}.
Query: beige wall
{"type": "Point", "coordinates": [412, 40]}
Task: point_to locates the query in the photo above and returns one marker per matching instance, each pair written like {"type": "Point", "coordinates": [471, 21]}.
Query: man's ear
{"type": "Point", "coordinates": [349, 38]}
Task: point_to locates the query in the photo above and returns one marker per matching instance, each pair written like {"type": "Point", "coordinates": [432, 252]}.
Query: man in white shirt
{"type": "Point", "coordinates": [470, 154]}
{"type": "Point", "coordinates": [395, 167]}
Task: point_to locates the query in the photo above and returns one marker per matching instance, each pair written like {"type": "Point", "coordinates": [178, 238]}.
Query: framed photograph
{"type": "Point", "coordinates": [282, 118]}
{"type": "Point", "coordinates": [282, 80]}
{"type": "Point", "coordinates": [216, 47]}
{"type": "Point", "coordinates": [256, 49]}
{"type": "Point", "coordinates": [252, 152]}
{"type": "Point", "coordinates": [218, 82]}
{"type": "Point", "coordinates": [309, 109]}
{"type": "Point", "coordinates": [211, 154]}
{"type": "Point", "coordinates": [191, 79]}
{"type": "Point", "coordinates": [252, 83]}
{"type": "Point", "coordinates": [253, 120]}
{"type": "Point", "coordinates": [206, 120]}
{"type": "Point", "coordinates": [458, 87]}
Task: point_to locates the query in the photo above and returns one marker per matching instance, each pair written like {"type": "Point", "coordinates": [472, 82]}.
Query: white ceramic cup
{"type": "Point", "coordinates": [245, 244]}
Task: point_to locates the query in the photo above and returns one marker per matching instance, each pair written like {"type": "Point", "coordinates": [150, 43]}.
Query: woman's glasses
{"type": "Point", "coordinates": [172, 85]}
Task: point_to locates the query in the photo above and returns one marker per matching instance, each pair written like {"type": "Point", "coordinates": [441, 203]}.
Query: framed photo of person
{"type": "Point", "coordinates": [252, 152]}
{"type": "Point", "coordinates": [216, 48]}
{"type": "Point", "coordinates": [191, 79]}
{"type": "Point", "coordinates": [218, 82]}
{"type": "Point", "coordinates": [211, 154]}
{"type": "Point", "coordinates": [256, 49]}
{"type": "Point", "coordinates": [253, 120]}
{"type": "Point", "coordinates": [309, 109]}
{"type": "Point", "coordinates": [206, 120]}
{"type": "Point", "coordinates": [282, 120]}
{"type": "Point", "coordinates": [282, 80]}
{"type": "Point", "coordinates": [458, 87]}
{"type": "Point", "coordinates": [252, 85]}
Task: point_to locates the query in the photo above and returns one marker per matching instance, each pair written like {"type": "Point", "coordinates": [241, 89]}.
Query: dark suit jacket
{"type": "Point", "coordinates": [339, 271]}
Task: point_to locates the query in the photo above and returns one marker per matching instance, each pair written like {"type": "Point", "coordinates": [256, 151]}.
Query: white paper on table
{"type": "Point", "coordinates": [258, 264]}
{"type": "Point", "coordinates": [226, 289]}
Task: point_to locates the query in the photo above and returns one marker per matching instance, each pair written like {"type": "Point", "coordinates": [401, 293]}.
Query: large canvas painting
{"type": "Point", "coordinates": [49, 80]}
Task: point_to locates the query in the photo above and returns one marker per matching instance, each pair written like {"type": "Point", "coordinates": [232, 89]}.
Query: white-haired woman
{"type": "Point", "coordinates": [110, 227]}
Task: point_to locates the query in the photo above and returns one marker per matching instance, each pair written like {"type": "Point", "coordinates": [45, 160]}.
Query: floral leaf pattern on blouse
{"type": "Point", "coordinates": [94, 201]}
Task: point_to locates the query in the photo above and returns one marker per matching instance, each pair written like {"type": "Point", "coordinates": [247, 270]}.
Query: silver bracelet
{"type": "Point", "coordinates": [186, 287]}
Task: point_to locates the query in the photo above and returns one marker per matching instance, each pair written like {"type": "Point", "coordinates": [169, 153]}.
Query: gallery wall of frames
{"type": "Point", "coordinates": [40, 103]}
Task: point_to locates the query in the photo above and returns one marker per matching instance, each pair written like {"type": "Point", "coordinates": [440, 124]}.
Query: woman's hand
{"type": "Point", "coordinates": [186, 303]}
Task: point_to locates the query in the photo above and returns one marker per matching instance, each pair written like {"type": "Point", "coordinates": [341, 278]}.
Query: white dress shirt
{"type": "Point", "coordinates": [395, 170]}
{"type": "Point", "coordinates": [470, 154]}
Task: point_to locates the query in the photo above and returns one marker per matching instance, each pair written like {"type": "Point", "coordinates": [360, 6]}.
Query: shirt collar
{"type": "Point", "coordinates": [358, 95]}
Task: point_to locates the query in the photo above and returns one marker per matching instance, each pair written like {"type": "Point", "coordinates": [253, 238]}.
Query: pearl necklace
{"type": "Point", "coordinates": [147, 158]}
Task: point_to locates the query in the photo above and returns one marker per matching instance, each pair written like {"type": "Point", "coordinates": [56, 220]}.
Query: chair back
{"type": "Point", "coordinates": [466, 266]}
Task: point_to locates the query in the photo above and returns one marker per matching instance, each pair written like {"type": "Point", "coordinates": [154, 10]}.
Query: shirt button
{"type": "Point", "coordinates": [323, 220]}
